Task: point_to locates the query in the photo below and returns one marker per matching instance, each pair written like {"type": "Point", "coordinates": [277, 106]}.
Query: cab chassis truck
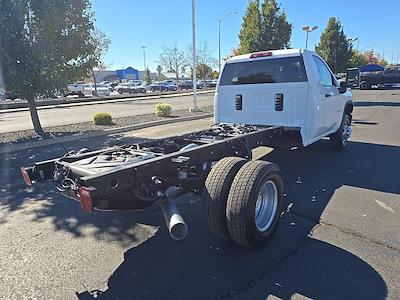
{"type": "Point", "coordinates": [242, 198]}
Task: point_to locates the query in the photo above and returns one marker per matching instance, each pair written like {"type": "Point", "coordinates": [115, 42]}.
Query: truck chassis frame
{"type": "Point", "coordinates": [149, 171]}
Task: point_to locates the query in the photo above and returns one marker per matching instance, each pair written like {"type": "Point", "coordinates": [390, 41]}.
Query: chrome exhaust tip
{"type": "Point", "coordinates": [177, 227]}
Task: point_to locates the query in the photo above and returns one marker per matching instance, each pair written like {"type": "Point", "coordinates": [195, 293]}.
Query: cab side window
{"type": "Point", "coordinates": [326, 78]}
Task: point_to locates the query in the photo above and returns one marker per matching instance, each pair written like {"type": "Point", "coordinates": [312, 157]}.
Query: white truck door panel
{"type": "Point", "coordinates": [331, 100]}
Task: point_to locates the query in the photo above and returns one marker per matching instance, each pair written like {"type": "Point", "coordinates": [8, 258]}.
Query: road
{"type": "Point", "coordinates": [21, 120]}
{"type": "Point", "coordinates": [339, 236]}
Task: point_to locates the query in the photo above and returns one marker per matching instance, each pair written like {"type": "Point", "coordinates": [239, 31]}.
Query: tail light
{"type": "Point", "coordinates": [86, 198]}
{"type": "Point", "coordinates": [26, 177]}
{"type": "Point", "coordinates": [261, 54]}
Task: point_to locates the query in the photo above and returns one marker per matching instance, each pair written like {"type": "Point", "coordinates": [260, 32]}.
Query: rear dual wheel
{"type": "Point", "coordinates": [215, 194]}
{"type": "Point", "coordinates": [243, 200]}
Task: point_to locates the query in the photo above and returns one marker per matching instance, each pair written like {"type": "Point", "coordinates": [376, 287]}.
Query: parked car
{"type": "Point", "coordinates": [5, 94]}
{"type": "Point", "coordinates": [135, 82]}
{"type": "Point", "coordinates": [114, 83]}
{"type": "Point", "coordinates": [75, 89]}
{"type": "Point", "coordinates": [137, 88]}
{"type": "Point", "coordinates": [90, 90]}
{"type": "Point", "coordinates": [204, 83]}
{"type": "Point", "coordinates": [365, 80]}
{"type": "Point", "coordinates": [106, 84]}
{"type": "Point", "coordinates": [163, 87]}
{"type": "Point", "coordinates": [188, 85]}
{"type": "Point", "coordinates": [123, 88]}
{"type": "Point", "coordinates": [213, 83]}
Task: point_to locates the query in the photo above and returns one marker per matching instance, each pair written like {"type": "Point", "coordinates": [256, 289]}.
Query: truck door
{"type": "Point", "coordinates": [389, 76]}
{"type": "Point", "coordinates": [331, 99]}
{"type": "Point", "coordinates": [397, 80]}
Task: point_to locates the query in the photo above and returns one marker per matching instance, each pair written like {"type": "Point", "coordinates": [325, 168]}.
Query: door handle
{"type": "Point", "coordinates": [328, 95]}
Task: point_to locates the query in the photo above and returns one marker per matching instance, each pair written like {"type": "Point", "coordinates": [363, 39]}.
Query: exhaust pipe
{"type": "Point", "coordinates": [176, 225]}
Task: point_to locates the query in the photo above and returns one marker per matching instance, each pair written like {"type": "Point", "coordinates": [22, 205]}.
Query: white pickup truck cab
{"type": "Point", "coordinates": [292, 88]}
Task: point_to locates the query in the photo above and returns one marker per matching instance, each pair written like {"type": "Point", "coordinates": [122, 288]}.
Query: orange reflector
{"type": "Point", "coordinates": [86, 199]}
{"type": "Point", "coordinates": [261, 54]}
{"type": "Point", "coordinates": [26, 177]}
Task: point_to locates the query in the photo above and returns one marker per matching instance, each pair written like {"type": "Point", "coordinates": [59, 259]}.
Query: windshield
{"type": "Point", "coordinates": [274, 70]}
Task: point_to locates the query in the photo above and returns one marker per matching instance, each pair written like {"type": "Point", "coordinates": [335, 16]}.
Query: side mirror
{"type": "Point", "coordinates": [342, 87]}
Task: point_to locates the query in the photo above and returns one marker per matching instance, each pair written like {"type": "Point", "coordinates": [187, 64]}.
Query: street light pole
{"type": "Point", "coordinates": [352, 40]}
{"type": "Point", "coordinates": [219, 47]}
{"type": "Point", "coordinates": [219, 38]}
{"type": "Point", "coordinates": [195, 108]}
{"type": "Point", "coordinates": [308, 29]}
{"type": "Point", "coordinates": [307, 39]}
{"type": "Point", "coordinates": [144, 57]}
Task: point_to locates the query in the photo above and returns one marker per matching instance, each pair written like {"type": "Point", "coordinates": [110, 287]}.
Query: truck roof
{"type": "Point", "coordinates": [271, 53]}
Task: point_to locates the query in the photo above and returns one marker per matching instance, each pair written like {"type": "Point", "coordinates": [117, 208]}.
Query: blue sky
{"type": "Point", "coordinates": [132, 24]}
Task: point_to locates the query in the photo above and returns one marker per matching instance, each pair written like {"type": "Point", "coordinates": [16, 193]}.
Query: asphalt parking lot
{"type": "Point", "coordinates": [339, 236]}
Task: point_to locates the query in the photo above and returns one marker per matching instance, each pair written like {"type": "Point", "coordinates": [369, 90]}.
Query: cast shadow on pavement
{"type": "Point", "coordinates": [45, 202]}
{"type": "Point", "coordinates": [204, 267]}
{"type": "Point", "coordinates": [376, 103]}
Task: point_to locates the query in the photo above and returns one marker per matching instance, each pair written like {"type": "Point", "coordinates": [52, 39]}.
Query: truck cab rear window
{"type": "Point", "coordinates": [273, 70]}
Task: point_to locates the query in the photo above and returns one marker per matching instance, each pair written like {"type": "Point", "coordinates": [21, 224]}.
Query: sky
{"type": "Point", "coordinates": [132, 24]}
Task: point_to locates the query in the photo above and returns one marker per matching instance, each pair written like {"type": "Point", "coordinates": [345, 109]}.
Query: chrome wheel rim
{"type": "Point", "coordinates": [346, 130]}
{"type": "Point", "coordinates": [266, 206]}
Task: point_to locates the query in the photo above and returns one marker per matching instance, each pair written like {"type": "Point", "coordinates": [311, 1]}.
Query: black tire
{"type": "Point", "coordinates": [215, 193]}
{"type": "Point", "coordinates": [120, 92]}
{"type": "Point", "coordinates": [242, 199]}
{"type": "Point", "coordinates": [365, 85]}
{"type": "Point", "coordinates": [81, 95]}
{"type": "Point", "coordinates": [337, 141]}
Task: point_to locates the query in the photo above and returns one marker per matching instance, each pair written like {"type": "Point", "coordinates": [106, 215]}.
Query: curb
{"type": "Point", "coordinates": [8, 148]}
{"type": "Point", "coordinates": [105, 100]}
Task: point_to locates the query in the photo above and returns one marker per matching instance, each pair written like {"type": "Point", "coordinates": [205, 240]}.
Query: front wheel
{"type": "Point", "coordinates": [365, 85]}
{"type": "Point", "coordinates": [339, 139]}
{"type": "Point", "coordinates": [254, 203]}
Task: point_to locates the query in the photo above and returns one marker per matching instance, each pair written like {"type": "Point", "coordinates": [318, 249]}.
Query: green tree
{"type": "Point", "coordinates": [203, 71]}
{"type": "Point", "coordinates": [147, 77]}
{"type": "Point", "coordinates": [267, 29]}
{"type": "Point", "coordinates": [357, 59]}
{"type": "Point", "coordinates": [335, 47]}
{"type": "Point", "coordinates": [44, 44]}
{"type": "Point", "coordinates": [214, 74]}
{"type": "Point", "coordinates": [276, 31]}
{"type": "Point", "coordinates": [249, 35]}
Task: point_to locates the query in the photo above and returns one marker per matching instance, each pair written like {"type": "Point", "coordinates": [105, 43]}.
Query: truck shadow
{"type": "Point", "coordinates": [376, 103]}
{"type": "Point", "coordinates": [293, 262]}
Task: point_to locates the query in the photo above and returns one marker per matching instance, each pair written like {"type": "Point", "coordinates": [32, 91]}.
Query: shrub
{"type": "Point", "coordinates": [163, 109]}
{"type": "Point", "coordinates": [102, 119]}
